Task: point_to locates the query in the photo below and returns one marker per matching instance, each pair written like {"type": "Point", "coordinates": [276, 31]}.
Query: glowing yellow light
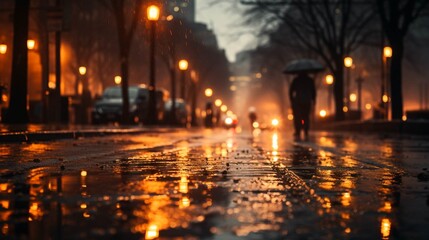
{"type": "Point", "coordinates": [52, 85]}
{"type": "Point", "coordinates": [82, 70]}
{"type": "Point", "coordinates": [385, 98]}
{"type": "Point", "coordinates": [275, 142]}
{"type": "Point", "coordinates": [228, 121]}
{"type": "Point", "coordinates": [385, 227]}
{"type": "Point", "coordinates": [255, 125]}
{"type": "Point", "coordinates": [233, 88]}
{"type": "Point", "coordinates": [346, 199]}
{"type": "Point", "coordinates": [3, 48]}
{"type": "Point", "coordinates": [229, 113]}
{"type": "Point", "coordinates": [275, 122]}
{"type": "Point", "coordinates": [183, 185]}
{"type": "Point", "coordinates": [348, 62]}
{"type": "Point", "coordinates": [83, 206]}
{"type": "Point", "coordinates": [347, 230]}
{"type": "Point", "coordinates": [404, 118]}
{"type": "Point", "coordinates": [4, 97]}
{"type": "Point", "coordinates": [208, 92]}
{"type": "Point", "coordinates": [183, 65]}
{"type": "Point", "coordinates": [258, 75]}
{"type": "Point", "coordinates": [218, 102]}
{"type": "Point", "coordinates": [353, 97]}
{"type": "Point", "coordinates": [329, 79]}
{"type": "Point", "coordinates": [290, 116]}
{"type": "Point", "coordinates": [224, 108]}
{"type": "Point", "coordinates": [86, 215]}
{"type": "Point", "coordinates": [345, 109]}
{"type": "Point", "coordinates": [118, 80]}
{"type": "Point", "coordinates": [185, 202]}
{"type": "Point", "coordinates": [170, 18]}
{"type": "Point", "coordinates": [323, 113]}
{"type": "Point", "coordinates": [31, 44]}
{"type": "Point", "coordinates": [153, 13]}
{"type": "Point", "coordinates": [368, 106]}
{"type": "Point", "coordinates": [387, 52]}
{"type": "Point", "coordinates": [83, 173]}
{"type": "Point", "coordinates": [152, 232]}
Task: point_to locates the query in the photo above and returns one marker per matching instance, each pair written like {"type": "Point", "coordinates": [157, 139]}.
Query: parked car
{"type": "Point", "coordinates": [109, 107]}
{"type": "Point", "coordinates": [182, 111]}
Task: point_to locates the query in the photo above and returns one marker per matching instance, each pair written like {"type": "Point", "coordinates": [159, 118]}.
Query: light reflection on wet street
{"type": "Point", "coordinates": [216, 184]}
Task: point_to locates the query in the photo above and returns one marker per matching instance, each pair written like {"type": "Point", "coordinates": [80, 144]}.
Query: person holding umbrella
{"type": "Point", "coordinates": [302, 93]}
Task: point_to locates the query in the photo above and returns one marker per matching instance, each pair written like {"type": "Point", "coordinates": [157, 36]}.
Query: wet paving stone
{"type": "Point", "coordinates": [215, 185]}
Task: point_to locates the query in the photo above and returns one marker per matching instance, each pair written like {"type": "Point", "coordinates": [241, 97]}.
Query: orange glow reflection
{"type": "Point", "coordinates": [275, 142]}
{"type": "Point", "coordinates": [346, 199]}
{"type": "Point", "coordinates": [183, 185]}
{"type": "Point", "coordinates": [185, 202]}
{"type": "Point", "coordinates": [385, 228]}
{"type": "Point", "coordinates": [152, 232]}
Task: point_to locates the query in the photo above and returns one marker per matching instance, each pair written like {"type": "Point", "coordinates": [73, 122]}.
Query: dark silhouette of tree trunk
{"type": "Point", "coordinates": [18, 92]}
{"type": "Point", "coordinates": [396, 17]}
{"type": "Point", "coordinates": [126, 15]}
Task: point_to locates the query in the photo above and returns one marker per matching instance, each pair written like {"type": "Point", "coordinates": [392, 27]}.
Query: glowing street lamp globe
{"type": "Point", "coordinates": [208, 92]}
{"type": "Point", "coordinates": [153, 13]}
{"type": "Point", "coordinates": [348, 62]}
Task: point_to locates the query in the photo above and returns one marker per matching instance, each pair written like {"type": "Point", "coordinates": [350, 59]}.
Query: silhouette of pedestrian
{"type": "Point", "coordinates": [252, 117]}
{"type": "Point", "coordinates": [302, 95]}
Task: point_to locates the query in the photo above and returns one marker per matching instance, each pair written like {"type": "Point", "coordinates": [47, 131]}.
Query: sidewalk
{"type": "Point", "coordinates": [377, 126]}
{"type": "Point", "coordinates": [43, 132]}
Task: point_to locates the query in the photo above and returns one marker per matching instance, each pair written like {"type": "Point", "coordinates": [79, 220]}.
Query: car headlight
{"type": "Point", "coordinates": [228, 121]}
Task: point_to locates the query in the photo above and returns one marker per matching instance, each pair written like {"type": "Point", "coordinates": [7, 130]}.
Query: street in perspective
{"type": "Point", "coordinates": [208, 119]}
{"type": "Point", "coordinates": [216, 184]}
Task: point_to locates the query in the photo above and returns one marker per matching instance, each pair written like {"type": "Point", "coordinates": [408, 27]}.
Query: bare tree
{"type": "Point", "coordinates": [331, 29]}
{"type": "Point", "coordinates": [126, 14]}
{"type": "Point", "coordinates": [396, 17]}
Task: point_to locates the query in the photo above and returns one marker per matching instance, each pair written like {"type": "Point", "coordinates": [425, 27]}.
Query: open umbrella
{"type": "Point", "coordinates": [303, 66]}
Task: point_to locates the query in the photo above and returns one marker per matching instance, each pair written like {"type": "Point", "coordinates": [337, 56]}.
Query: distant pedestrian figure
{"type": "Point", "coordinates": [252, 117]}
{"type": "Point", "coordinates": [302, 95]}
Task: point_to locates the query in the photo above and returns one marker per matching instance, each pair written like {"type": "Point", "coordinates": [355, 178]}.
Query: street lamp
{"type": "Point", "coordinates": [118, 80]}
{"type": "Point", "coordinates": [153, 16]}
{"type": "Point", "coordinates": [387, 53]}
{"type": "Point", "coordinates": [224, 108]}
{"type": "Point", "coordinates": [218, 102]}
{"type": "Point", "coordinates": [348, 63]}
{"type": "Point", "coordinates": [183, 66]}
{"type": "Point", "coordinates": [31, 44]}
{"type": "Point", "coordinates": [329, 79]}
{"type": "Point", "coordinates": [3, 48]}
{"type": "Point", "coordinates": [82, 70]}
{"type": "Point", "coordinates": [194, 80]}
{"type": "Point", "coordinates": [208, 92]}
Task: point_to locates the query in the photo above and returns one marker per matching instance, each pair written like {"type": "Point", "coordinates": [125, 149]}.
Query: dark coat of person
{"type": "Point", "coordinates": [302, 94]}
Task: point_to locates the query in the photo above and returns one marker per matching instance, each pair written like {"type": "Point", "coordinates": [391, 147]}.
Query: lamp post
{"type": "Point", "coordinates": [348, 63]}
{"type": "Point", "coordinates": [194, 80]}
{"type": "Point", "coordinates": [209, 108]}
{"type": "Point", "coordinates": [359, 82]}
{"type": "Point", "coordinates": [329, 79]}
{"type": "Point", "coordinates": [153, 16]}
{"type": "Point", "coordinates": [82, 72]}
{"type": "Point", "coordinates": [183, 66]}
{"type": "Point", "coordinates": [387, 53]}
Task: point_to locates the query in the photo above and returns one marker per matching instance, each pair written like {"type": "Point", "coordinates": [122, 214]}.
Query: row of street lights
{"type": "Point", "coordinates": [352, 97]}
{"type": "Point", "coordinates": [31, 45]}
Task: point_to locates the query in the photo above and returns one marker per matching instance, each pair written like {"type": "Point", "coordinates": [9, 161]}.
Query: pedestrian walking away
{"type": "Point", "coordinates": [302, 95]}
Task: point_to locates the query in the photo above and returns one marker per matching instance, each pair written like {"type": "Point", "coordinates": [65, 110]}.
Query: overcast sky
{"type": "Point", "coordinates": [224, 18]}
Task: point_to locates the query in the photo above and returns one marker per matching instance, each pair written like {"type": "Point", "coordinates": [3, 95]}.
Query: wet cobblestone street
{"type": "Point", "coordinates": [216, 184]}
